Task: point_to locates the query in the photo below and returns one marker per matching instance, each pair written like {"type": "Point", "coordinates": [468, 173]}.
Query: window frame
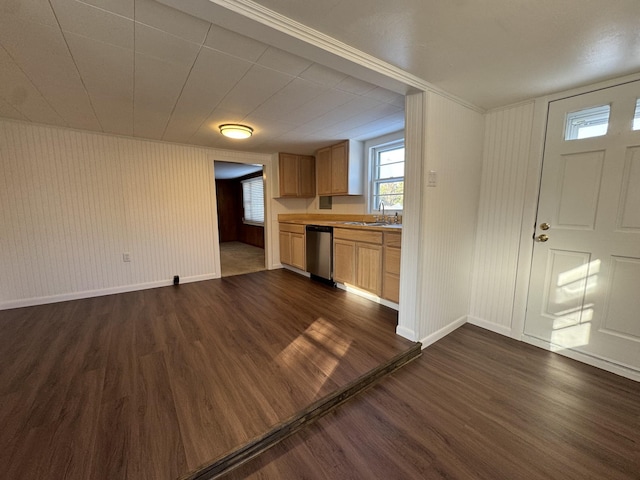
{"type": "Point", "coordinates": [372, 148]}
{"type": "Point", "coordinates": [257, 180]}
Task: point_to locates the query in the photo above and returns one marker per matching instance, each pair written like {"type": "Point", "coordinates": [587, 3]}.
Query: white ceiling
{"type": "Point", "coordinates": [229, 170]}
{"type": "Point", "coordinates": [140, 68]}
{"type": "Point", "coordinates": [488, 52]}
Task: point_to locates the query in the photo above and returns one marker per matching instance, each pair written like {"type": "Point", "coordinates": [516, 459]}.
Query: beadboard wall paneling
{"type": "Point", "coordinates": [453, 149]}
{"type": "Point", "coordinates": [73, 202]}
{"type": "Point", "coordinates": [62, 213]}
{"type": "Point", "coordinates": [504, 174]}
{"type": "Point", "coordinates": [412, 248]}
{"type": "Point", "coordinates": [168, 190]}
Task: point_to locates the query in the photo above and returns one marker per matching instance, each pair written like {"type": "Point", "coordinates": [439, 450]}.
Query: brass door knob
{"type": "Point", "coordinates": [545, 226]}
{"type": "Point", "coordinates": [542, 238]}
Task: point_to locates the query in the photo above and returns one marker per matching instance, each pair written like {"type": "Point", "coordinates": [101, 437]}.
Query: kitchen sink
{"type": "Point", "coordinates": [366, 224]}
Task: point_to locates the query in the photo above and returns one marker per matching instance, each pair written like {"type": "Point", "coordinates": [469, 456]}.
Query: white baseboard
{"type": "Point", "coordinates": [30, 302]}
{"type": "Point", "coordinates": [406, 333]}
{"type": "Point", "coordinates": [443, 332]}
{"type": "Point", "coordinates": [584, 358]}
{"type": "Point", "coordinates": [482, 323]}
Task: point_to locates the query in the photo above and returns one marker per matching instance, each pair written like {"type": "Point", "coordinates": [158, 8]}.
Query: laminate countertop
{"type": "Point", "coordinates": [356, 222]}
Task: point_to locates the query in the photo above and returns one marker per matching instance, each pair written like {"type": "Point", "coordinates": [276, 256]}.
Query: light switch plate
{"type": "Point", "coordinates": [432, 179]}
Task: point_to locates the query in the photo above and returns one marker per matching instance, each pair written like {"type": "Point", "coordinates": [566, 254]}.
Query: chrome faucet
{"type": "Point", "coordinates": [381, 207]}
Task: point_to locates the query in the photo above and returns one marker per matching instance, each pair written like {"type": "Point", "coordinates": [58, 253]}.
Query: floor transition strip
{"type": "Point", "coordinates": [313, 412]}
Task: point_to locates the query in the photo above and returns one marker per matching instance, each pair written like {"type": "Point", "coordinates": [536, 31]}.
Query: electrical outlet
{"type": "Point", "coordinates": [126, 257]}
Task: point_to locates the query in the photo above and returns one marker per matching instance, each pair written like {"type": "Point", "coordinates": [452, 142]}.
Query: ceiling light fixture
{"type": "Point", "coordinates": [234, 130]}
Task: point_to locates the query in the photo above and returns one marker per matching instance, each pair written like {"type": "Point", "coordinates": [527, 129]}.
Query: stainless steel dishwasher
{"type": "Point", "coordinates": [320, 252]}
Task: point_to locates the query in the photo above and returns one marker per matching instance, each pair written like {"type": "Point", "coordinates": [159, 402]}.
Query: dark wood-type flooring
{"type": "Point", "coordinates": [475, 405]}
{"type": "Point", "coordinates": [157, 383]}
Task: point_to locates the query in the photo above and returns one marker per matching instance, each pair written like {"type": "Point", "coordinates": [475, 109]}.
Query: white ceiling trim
{"type": "Point", "coordinates": [402, 81]}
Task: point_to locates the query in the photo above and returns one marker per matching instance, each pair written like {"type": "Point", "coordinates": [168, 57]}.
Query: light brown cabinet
{"type": "Point", "coordinates": [358, 259]}
{"type": "Point", "coordinates": [292, 245]}
{"type": "Point", "coordinates": [340, 169]}
{"type": "Point", "coordinates": [344, 260]}
{"type": "Point", "coordinates": [297, 175]}
{"type": "Point", "coordinates": [391, 268]}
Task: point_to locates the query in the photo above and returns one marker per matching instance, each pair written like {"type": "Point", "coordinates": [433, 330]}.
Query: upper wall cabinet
{"type": "Point", "coordinates": [297, 175]}
{"type": "Point", "coordinates": [340, 169]}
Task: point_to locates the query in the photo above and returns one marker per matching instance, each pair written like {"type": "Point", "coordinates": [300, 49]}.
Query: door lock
{"type": "Point", "coordinates": [545, 226]}
{"type": "Point", "coordinates": [542, 238]}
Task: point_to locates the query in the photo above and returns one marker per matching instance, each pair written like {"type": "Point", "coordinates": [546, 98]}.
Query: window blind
{"type": "Point", "coordinates": [253, 200]}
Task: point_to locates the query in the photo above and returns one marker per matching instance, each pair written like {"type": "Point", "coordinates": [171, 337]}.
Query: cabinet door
{"type": "Point", "coordinates": [298, 257]}
{"type": "Point", "coordinates": [369, 267]}
{"type": "Point", "coordinates": [285, 248]}
{"type": "Point", "coordinates": [307, 176]}
{"type": "Point", "coordinates": [391, 287]}
{"type": "Point", "coordinates": [339, 169]}
{"type": "Point", "coordinates": [391, 280]}
{"type": "Point", "coordinates": [344, 261]}
{"type": "Point", "coordinates": [323, 169]}
{"type": "Point", "coordinates": [288, 165]}
{"type": "Point", "coordinates": [392, 260]}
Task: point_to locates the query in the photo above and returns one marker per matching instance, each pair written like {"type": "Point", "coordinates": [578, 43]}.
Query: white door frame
{"type": "Point", "coordinates": [532, 192]}
{"type": "Point", "coordinates": [267, 172]}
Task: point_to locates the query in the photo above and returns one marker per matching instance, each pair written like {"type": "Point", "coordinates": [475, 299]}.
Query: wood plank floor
{"type": "Point", "coordinates": [156, 383]}
{"type": "Point", "coordinates": [475, 405]}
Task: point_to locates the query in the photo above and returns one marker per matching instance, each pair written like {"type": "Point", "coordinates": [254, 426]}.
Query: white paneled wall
{"type": "Point", "coordinates": [506, 155]}
{"type": "Point", "coordinates": [73, 202]}
{"type": "Point", "coordinates": [453, 149]}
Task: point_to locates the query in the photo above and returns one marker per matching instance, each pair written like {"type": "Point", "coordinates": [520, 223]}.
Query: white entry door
{"type": "Point", "coordinates": [584, 292]}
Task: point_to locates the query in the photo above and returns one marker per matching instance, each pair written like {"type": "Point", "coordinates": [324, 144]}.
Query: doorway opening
{"type": "Point", "coordinates": [240, 207]}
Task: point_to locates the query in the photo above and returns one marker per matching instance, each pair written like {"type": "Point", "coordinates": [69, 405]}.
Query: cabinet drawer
{"type": "Point", "coordinates": [392, 239]}
{"type": "Point", "coordinates": [292, 227]}
{"type": "Point", "coordinates": [358, 235]}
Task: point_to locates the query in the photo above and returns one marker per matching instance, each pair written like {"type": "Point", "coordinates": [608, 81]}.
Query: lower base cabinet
{"type": "Point", "coordinates": [292, 245]}
{"type": "Point", "coordinates": [344, 261]}
{"type": "Point", "coordinates": [391, 277]}
{"type": "Point", "coordinates": [369, 260]}
{"type": "Point", "coordinates": [358, 259]}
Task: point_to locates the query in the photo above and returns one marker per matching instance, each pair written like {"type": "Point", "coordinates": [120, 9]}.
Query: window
{"type": "Point", "coordinates": [387, 176]}
{"type": "Point", "coordinates": [592, 122]}
{"type": "Point", "coordinates": [253, 201]}
{"type": "Point", "coordinates": [636, 116]}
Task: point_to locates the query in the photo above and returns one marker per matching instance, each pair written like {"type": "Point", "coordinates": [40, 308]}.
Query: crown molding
{"type": "Point", "coordinates": [292, 28]}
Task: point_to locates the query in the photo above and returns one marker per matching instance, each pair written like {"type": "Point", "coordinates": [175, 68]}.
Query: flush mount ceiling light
{"type": "Point", "coordinates": [233, 130]}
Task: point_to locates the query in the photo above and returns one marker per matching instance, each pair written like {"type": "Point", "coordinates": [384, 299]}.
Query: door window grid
{"type": "Point", "coordinates": [591, 122]}
{"type": "Point", "coordinates": [594, 122]}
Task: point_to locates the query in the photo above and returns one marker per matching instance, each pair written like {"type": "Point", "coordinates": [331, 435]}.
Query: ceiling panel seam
{"type": "Point", "coordinates": [84, 86]}
{"type": "Point", "coordinates": [44, 98]}
{"type": "Point", "coordinates": [288, 26]}
{"type": "Point", "coordinates": [185, 83]}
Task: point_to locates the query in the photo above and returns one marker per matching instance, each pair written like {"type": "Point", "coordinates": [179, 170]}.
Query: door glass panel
{"type": "Point", "coordinates": [636, 117]}
{"type": "Point", "coordinates": [591, 122]}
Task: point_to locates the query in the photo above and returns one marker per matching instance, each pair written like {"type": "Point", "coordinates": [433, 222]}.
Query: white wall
{"type": "Point", "coordinates": [504, 178]}
{"type": "Point", "coordinates": [440, 221]}
{"type": "Point", "coordinates": [73, 202]}
{"type": "Point", "coordinates": [453, 149]}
